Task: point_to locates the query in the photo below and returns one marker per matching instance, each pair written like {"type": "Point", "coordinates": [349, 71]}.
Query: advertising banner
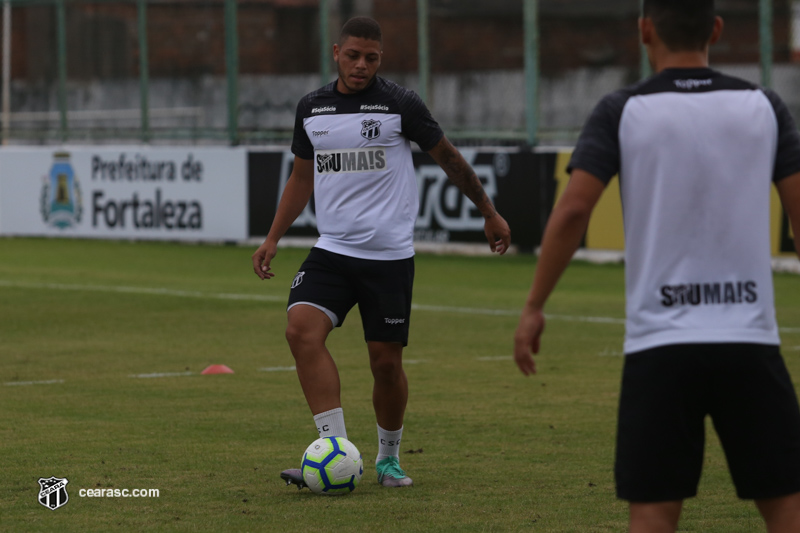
{"type": "Point", "coordinates": [520, 183]}
{"type": "Point", "coordinates": [231, 194]}
{"type": "Point", "coordinates": [171, 193]}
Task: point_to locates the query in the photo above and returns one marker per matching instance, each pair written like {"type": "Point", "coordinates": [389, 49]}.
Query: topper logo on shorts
{"type": "Point", "coordinates": [298, 279]}
{"type": "Point", "coordinates": [394, 321]}
{"type": "Point", "coordinates": [359, 160]}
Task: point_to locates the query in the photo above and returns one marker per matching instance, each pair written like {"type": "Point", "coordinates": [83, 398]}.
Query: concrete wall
{"type": "Point", "coordinates": [481, 101]}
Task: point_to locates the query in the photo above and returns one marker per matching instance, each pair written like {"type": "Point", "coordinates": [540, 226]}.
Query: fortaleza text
{"type": "Point", "coordinates": [147, 213]}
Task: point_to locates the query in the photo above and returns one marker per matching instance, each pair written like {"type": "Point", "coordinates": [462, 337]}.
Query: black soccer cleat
{"type": "Point", "coordinates": [293, 476]}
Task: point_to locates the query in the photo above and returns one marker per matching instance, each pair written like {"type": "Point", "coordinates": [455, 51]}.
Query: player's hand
{"type": "Point", "coordinates": [497, 233]}
{"type": "Point", "coordinates": [262, 258]}
{"type": "Point", "coordinates": [526, 339]}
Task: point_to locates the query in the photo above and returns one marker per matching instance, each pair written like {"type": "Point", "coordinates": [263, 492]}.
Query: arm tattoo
{"type": "Point", "coordinates": [463, 176]}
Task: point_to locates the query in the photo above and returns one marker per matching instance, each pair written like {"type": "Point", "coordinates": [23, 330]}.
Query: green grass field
{"type": "Point", "coordinates": [82, 323]}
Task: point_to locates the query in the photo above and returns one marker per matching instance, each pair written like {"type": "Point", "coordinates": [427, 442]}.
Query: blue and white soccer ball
{"type": "Point", "coordinates": [332, 465]}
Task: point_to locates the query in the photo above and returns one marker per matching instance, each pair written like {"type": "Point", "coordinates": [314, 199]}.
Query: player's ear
{"type": "Point", "coordinates": [646, 30]}
{"type": "Point", "coordinates": [336, 51]}
{"type": "Point", "coordinates": [716, 33]}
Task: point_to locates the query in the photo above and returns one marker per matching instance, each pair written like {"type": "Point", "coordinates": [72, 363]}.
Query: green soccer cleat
{"type": "Point", "coordinates": [390, 474]}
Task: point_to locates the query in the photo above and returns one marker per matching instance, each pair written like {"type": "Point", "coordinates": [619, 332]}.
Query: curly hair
{"type": "Point", "coordinates": [362, 27]}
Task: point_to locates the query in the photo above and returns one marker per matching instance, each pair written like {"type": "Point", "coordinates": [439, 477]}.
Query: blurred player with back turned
{"type": "Point", "coordinates": [352, 146]}
{"type": "Point", "coordinates": [697, 153]}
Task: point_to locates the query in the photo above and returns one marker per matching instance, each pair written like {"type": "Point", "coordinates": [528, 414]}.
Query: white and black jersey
{"type": "Point", "coordinates": [696, 152]}
{"type": "Point", "coordinates": [365, 186]}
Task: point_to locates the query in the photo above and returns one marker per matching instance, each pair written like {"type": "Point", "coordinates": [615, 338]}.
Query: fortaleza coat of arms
{"type": "Point", "coordinates": [53, 492]}
{"type": "Point", "coordinates": [370, 129]}
{"type": "Point", "coordinates": [60, 201]}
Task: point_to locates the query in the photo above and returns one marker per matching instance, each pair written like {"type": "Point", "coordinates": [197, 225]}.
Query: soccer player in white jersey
{"type": "Point", "coordinates": [697, 153]}
{"type": "Point", "coordinates": [352, 146]}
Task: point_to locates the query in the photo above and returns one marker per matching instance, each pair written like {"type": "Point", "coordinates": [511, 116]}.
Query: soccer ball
{"type": "Point", "coordinates": [332, 465]}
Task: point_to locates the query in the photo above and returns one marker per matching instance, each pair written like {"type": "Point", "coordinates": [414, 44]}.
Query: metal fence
{"type": "Point", "coordinates": [231, 72]}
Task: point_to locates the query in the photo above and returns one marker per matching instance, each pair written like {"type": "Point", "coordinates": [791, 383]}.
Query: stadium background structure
{"type": "Point", "coordinates": [518, 72]}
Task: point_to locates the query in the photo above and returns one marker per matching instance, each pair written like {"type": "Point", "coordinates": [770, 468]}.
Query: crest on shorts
{"type": "Point", "coordinates": [370, 129]}
{"type": "Point", "coordinates": [53, 492]}
{"type": "Point", "coordinates": [298, 279]}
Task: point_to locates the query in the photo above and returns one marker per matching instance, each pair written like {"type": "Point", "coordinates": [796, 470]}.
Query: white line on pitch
{"type": "Point", "coordinates": [277, 369]}
{"type": "Point", "coordinates": [46, 382]}
{"type": "Point", "coordinates": [161, 375]}
{"type": "Point", "coordinates": [143, 290]}
{"type": "Point", "coordinates": [272, 298]}
{"type": "Point", "coordinates": [464, 310]}
{"type": "Point", "coordinates": [597, 319]}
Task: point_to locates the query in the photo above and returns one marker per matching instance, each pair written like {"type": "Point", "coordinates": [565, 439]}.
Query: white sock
{"type": "Point", "coordinates": [388, 443]}
{"type": "Point", "coordinates": [331, 423]}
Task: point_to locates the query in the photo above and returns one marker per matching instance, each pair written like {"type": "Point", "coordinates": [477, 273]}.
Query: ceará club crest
{"type": "Point", "coordinates": [370, 129]}
{"type": "Point", "coordinates": [53, 492]}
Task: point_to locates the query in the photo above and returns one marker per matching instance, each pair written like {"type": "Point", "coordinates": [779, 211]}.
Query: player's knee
{"type": "Point", "coordinates": [297, 335]}
{"type": "Point", "coordinates": [386, 366]}
{"type": "Point", "coordinates": [291, 334]}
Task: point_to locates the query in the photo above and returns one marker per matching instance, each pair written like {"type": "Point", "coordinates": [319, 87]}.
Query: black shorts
{"type": "Point", "coordinates": [334, 283]}
{"type": "Point", "coordinates": [666, 394]}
